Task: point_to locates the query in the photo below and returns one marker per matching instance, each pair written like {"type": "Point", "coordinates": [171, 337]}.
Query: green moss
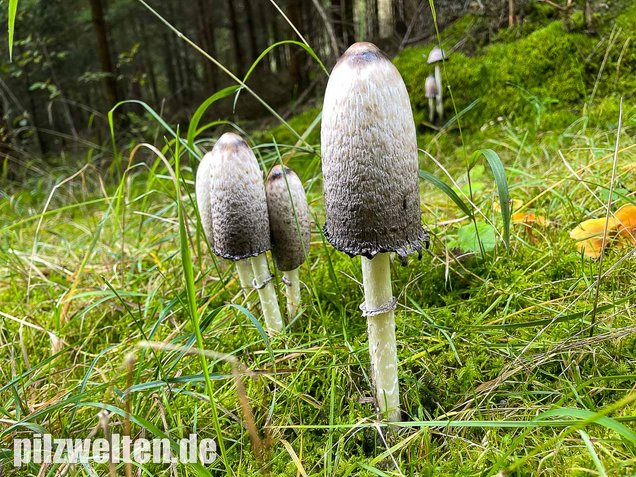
{"type": "Point", "coordinates": [300, 123]}
{"type": "Point", "coordinates": [542, 80]}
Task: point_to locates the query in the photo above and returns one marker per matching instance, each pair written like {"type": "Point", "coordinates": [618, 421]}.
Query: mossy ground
{"type": "Point", "coordinates": [488, 341]}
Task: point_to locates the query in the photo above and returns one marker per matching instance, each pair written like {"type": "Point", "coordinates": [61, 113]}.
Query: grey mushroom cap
{"type": "Point", "coordinates": [369, 158]}
{"type": "Point", "coordinates": [289, 221]}
{"type": "Point", "coordinates": [202, 188]}
{"type": "Point", "coordinates": [237, 200]}
{"type": "Point", "coordinates": [436, 54]}
{"type": "Point", "coordinates": [430, 87]}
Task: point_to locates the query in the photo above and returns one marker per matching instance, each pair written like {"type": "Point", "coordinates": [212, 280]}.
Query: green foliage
{"type": "Point", "coordinates": [301, 123]}
{"type": "Point", "coordinates": [542, 80]}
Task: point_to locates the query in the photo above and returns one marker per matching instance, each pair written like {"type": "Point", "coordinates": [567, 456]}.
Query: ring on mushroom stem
{"type": "Point", "coordinates": [289, 225]}
{"type": "Point", "coordinates": [371, 189]}
{"type": "Point", "coordinates": [237, 217]}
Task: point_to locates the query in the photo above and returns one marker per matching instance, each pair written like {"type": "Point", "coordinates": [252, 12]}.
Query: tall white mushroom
{"type": "Point", "coordinates": [236, 216]}
{"type": "Point", "coordinates": [430, 91]}
{"type": "Point", "coordinates": [289, 225]}
{"type": "Point", "coordinates": [371, 189]}
{"type": "Point", "coordinates": [436, 56]}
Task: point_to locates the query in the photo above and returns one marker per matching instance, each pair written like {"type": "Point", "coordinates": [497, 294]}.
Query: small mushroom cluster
{"type": "Point", "coordinates": [372, 202]}
{"type": "Point", "coordinates": [433, 85]}
{"type": "Point", "coordinates": [243, 219]}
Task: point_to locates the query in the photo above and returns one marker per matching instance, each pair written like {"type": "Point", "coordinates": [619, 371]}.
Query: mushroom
{"type": "Point", "coordinates": [202, 186]}
{"type": "Point", "coordinates": [238, 218]}
{"type": "Point", "coordinates": [436, 56]}
{"type": "Point", "coordinates": [371, 189]}
{"type": "Point", "coordinates": [430, 90]}
{"type": "Point", "coordinates": [289, 227]}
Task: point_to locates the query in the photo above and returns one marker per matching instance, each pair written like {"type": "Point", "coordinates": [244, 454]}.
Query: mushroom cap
{"type": "Point", "coordinates": [289, 222]}
{"type": "Point", "coordinates": [369, 157]}
{"type": "Point", "coordinates": [430, 87]}
{"type": "Point", "coordinates": [436, 54]}
{"type": "Point", "coordinates": [237, 200]}
{"type": "Point", "coordinates": [202, 188]}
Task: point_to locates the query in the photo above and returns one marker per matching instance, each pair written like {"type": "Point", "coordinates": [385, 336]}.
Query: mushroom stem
{"type": "Point", "coordinates": [292, 291]}
{"type": "Point", "coordinates": [431, 109]}
{"type": "Point", "coordinates": [267, 294]}
{"type": "Point", "coordinates": [376, 280]}
{"type": "Point", "coordinates": [440, 98]}
{"type": "Point", "coordinates": [246, 275]}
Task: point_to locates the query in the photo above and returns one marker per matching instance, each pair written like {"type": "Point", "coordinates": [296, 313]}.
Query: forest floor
{"type": "Point", "coordinates": [514, 360]}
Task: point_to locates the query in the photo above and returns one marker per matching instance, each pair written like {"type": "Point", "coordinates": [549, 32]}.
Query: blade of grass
{"type": "Point", "coordinates": [499, 171]}
{"type": "Point", "coordinates": [188, 274]}
{"type": "Point", "coordinates": [446, 189]}
{"type": "Point", "coordinates": [13, 10]}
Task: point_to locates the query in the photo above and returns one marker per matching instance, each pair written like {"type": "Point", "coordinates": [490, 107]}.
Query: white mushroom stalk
{"type": "Point", "coordinates": [431, 92]}
{"type": "Point", "coordinates": [289, 225]}
{"type": "Point", "coordinates": [371, 188]}
{"type": "Point", "coordinates": [238, 220]}
{"type": "Point", "coordinates": [436, 57]}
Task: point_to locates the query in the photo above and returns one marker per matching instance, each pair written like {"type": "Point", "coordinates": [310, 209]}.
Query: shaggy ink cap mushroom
{"type": "Point", "coordinates": [202, 186]}
{"type": "Point", "coordinates": [369, 158]}
{"type": "Point", "coordinates": [289, 222]}
{"type": "Point", "coordinates": [430, 87]}
{"type": "Point", "coordinates": [436, 55]}
{"type": "Point", "coordinates": [237, 200]}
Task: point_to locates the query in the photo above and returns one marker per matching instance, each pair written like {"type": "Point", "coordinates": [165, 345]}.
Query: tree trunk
{"type": "Point", "coordinates": [511, 13]}
{"type": "Point", "coordinates": [207, 39]}
{"type": "Point", "coordinates": [236, 38]}
{"type": "Point", "coordinates": [297, 71]}
{"type": "Point", "coordinates": [251, 30]}
{"type": "Point", "coordinates": [148, 64]}
{"type": "Point", "coordinates": [372, 23]}
{"type": "Point", "coordinates": [349, 23]}
{"type": "Point", "coordinates": [103, 49]}
{"type": "Point", "coordinates": [169, 65]}
{"type": "Point", "coordinates": [336, 14]}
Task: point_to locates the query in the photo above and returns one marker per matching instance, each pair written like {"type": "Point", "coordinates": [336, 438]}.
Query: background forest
{"type": "Point", "coordinates": [75, 59]}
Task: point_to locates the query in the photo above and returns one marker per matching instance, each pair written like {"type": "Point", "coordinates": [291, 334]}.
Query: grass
{"type": "Point", "coordinates": [512, 362]}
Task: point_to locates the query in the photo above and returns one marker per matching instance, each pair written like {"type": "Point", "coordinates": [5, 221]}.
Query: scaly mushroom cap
{"type": "Point", "coordinates": [289, 222]}
{"type": "Point", "coordinates": [430, 87]}
{"type": "Point", "coordinates": [202, 187]}
{"type": "Point", "coordinates": [436, 54]}
{"type": "Point", "coordinates": [369, 157]}
{"type": "Point", "coordinates": [237, 200]}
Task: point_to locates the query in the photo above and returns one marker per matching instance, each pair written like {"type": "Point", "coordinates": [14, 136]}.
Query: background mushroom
{"type": "Point", "coordinates": [430, 90]}
{"type": "Point", "coordinates": [435, 57]}
{"type": "Point", "coordinates": [289, 226]}
{"type": "Point", "coordinates": [202, 187]}
{"type": "Point", "coordinates": [371, 188]}
{"type": "Point", "coordinates": [239, 218]}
